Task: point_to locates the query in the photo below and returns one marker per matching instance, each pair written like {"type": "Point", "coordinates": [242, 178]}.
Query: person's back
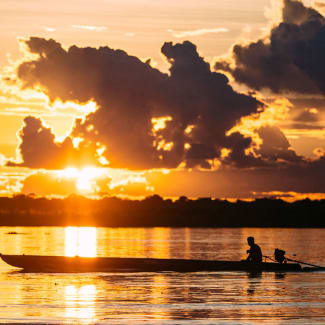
{"type": "Point", "coordinates": [255, 252]}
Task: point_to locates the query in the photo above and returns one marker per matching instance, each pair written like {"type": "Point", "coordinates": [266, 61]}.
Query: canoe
{"type": "Point", "coordinates": [63, 264]}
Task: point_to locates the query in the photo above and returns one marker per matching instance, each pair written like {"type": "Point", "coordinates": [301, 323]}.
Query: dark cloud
{"type": "Point", "coordinates": [308, 102]}
{"type": "Point", "coordinates": [129, 94]}
{"type": "Point", "coordinates": [38, 148]}
{"type": "Point", "coordinates": [238, 156]}
{"type": "Point", "coordinates": [304, 126]}
{"type": "Point", "coordinates": [307, 116]}
{"type": "Point", "coordinates": [276, 147]}
{"type": "Point", "coordinates": [290, 59]}
{"type": "Point", "coordinates": [306, 177]}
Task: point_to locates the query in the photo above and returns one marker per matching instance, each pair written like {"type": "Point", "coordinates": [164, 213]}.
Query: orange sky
{"type": "Point", "coordinates": [283, 133]}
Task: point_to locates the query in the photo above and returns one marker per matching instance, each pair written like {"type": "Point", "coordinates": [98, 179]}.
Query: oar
{"type": "Point", "coordinates": [300, 262]}
{"type": "Point", "coordinates": [313, 265]}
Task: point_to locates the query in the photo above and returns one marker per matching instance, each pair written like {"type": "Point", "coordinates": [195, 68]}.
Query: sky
{"type": "Point", "coordinates": [214, 98]}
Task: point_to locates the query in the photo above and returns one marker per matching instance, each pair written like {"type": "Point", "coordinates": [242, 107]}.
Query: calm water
{"type": "Point", "coordinates": [167, 297]}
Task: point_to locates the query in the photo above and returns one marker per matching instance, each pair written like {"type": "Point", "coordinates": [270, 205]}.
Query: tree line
{"type": "Point", "coordinates": [155, 211]}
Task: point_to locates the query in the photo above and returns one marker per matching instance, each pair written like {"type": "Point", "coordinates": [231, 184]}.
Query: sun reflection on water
{"type": "Point", "coordinates": [80, 241]}
{"type": "Point", "coordinates": [80, 302]}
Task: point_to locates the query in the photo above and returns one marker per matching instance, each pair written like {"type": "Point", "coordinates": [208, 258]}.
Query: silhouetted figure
{"type": "Point", "coordinates": [255, 253]}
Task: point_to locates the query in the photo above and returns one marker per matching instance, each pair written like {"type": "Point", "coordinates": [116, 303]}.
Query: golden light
{"type": "Point", "coordinates": [132, 179]}
{"type": "Point", "coordinates": [291, 196]}
{"type": "Point", "coordinates": [159, 123]}
{"type": "Point", "coordinates": [166, 146]}
{"type": "Point", "coordinates": [80, 302]}
{"type": "Point", "coordinates": [313, 111]}
{"type": "Point", "coordinates": [69, 172]}
{"type": "Point", "coordinates": [85, 109]}
{"type": "Point", "coordinates": [80, 241]}
{"type": "Point", "coordinates": [225, 152]}
{"type": "Point", "coordinates": [276, 112]}
{"type": "Point", "coordinates": [76, 142]}
{"type": "Point", "coordinates": [103, 161]}
{"type": "Point", "coordinates": [85, 177]}
{"type": "Point", "coordinates": [101, 150]}
{"type": "Point", "coordinates": [189, 129]}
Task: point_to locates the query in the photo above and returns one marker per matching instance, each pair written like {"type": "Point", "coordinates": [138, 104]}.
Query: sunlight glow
{"type": "Point", "coordinates": [80, 241]}
{"type": "Point", "coordinates": [86, 108]}
{"type": "Point", "coordinates": [276, 112]}
{"type": "Point", "coordinates": [189, 129]}
{"type": "Point", "coordinates": [85, 177]}
{"type": "Point", "coordinates": [76, 142]}
{"type": "Point", "coordinates": [166, 146]}
{"type": "Point", "coordinates": [159, 123]}
{"type": "Point", "coordinates": [80, 302]}
{"type": "Point", "coordinates": [132, 179]}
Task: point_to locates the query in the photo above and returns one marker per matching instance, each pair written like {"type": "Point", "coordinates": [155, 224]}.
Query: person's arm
{"type": "Point", "coordinates": [249, 255]}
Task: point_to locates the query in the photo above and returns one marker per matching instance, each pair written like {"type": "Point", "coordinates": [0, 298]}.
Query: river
{"type": "Point", "coordinates": [166, 297]}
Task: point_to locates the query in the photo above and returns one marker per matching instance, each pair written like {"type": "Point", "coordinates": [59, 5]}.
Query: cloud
{"type": "Point", "coordinates": [198, 32]}
{"type": "Point", "coordinates": [67, 182]}
{"type": "Point", "coordinates": [38, 149]}
{"type": "Point", "coordinates": [49, 29]}
{"type": "Point", "coordinates": [241, 182]}
{"type": "Point", "coordinates": [130, 95]}
{"type": "Point", "coordinates": [90, 28]}
{"type": "Point", "coordinates": [45, 184]}
{"type": "Point", "coordinates": [11, 180]}
{"type": "Point", "coordinates": [308, 115]}
{"type": "Point", "coordinates": [276, 147]}
{"type": "Point", "coordinates": [289, 59]}
{"type": "Point", "coordinates": [306, 126]}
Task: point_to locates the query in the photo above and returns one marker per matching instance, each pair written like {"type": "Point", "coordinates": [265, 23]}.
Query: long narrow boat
{"type": "Point", "coordinates": [63, 264]}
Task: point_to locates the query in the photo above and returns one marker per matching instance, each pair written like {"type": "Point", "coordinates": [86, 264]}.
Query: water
{"type": "Point", "coordinates": [166, 297]}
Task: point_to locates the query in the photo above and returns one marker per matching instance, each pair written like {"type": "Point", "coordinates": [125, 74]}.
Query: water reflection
{"type": "Point", "coordinates": [80, 302]}
{"type": "Point", "coordinates": [166, 297]}
{"type": "Point", "coordinates": [80, 241]}
{"type": "Point", "coordinates": [159, 296]}
{"type": "Point", "coordinates": [159, 238]}
{"type": "Point", "coordinates": [254, 281]}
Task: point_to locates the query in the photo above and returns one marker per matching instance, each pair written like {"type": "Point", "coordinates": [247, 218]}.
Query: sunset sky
{"type": "Point", "coordinates": [133, 98]}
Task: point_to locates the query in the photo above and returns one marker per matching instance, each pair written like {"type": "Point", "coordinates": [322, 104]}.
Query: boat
{"type": "Point", "coordinates": [64, 264]}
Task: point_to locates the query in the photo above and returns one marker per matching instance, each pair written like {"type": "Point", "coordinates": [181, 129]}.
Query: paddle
{"type": "Point", "coordinates": [309, 264]}
{"type": "Point", "coordinates": [292, 260]}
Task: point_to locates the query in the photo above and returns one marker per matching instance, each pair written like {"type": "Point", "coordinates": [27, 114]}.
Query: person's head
{"type": "Point", "coordinates": [250, 241]}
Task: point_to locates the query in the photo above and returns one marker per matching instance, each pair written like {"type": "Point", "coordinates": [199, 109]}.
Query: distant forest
{"type": "Point", "coordinates": [155, 211]}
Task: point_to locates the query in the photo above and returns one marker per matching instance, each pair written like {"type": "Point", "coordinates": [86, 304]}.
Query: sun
{"type": "Point", "coordinates": [84, 177]}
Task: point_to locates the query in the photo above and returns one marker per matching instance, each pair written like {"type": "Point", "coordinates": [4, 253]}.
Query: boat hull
{"type": "Point", "coordinates": [63, 264]}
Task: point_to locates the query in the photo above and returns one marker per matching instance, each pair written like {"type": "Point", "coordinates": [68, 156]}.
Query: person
{"type": "Point", "coordinates": [254, 253]}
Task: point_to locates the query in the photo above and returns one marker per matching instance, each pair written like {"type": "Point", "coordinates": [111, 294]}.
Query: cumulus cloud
{"type": "Point", "coordinates": [275, 146]}
{"type": "Point", "coordinates": [199, 104]}
{"type": "Point", "coordinates": [289, 59]}
{"type": "Point", "coordinates": [38, 148]}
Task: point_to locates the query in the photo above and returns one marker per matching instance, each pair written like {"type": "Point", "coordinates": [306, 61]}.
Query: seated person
{"type": "Point", "coordinates": [255, 253]}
